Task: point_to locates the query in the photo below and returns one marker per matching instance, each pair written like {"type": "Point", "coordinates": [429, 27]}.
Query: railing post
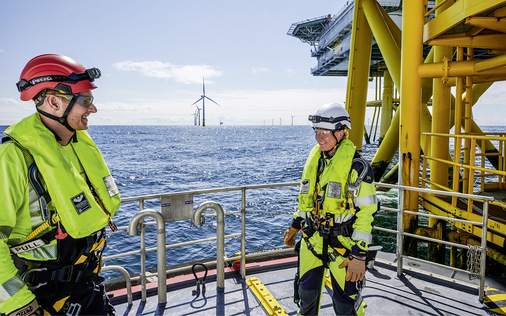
{"type": "Point", "coordinates": [161, 251]}
{"type": "Point", "coordinates": [198, 220]}
{"type": "Point", "coordinates": [243, 234]}
{"type": "Point", "coordinates": [483, 258]}
{"type": "Point", "coordinates": [400, 229]}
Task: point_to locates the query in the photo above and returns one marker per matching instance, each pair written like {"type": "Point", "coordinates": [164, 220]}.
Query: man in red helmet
{"type": "Point", "coordinates": [57, 197]}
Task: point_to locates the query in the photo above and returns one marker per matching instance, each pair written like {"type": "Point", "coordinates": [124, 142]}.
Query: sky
{"type": "Point", "coordinates": [153, 56]}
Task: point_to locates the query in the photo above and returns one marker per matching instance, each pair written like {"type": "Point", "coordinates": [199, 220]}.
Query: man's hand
{"type": "Point", "coordinates": [289, 236]}
{"type": "Point", "coordinates": [356, 268]}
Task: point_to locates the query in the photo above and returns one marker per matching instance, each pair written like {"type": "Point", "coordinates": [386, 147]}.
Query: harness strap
{"type": "Point", "coordinates": [35, 278]}
{"type": "Point", "coordinates": [325, 257]}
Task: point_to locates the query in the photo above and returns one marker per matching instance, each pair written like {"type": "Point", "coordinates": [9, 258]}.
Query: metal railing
{"type": "Point", "coordinates": [198, 219]}
{"type": "Point", "coordinates": [401, 234]}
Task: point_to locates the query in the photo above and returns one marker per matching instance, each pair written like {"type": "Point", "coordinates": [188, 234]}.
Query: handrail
{"type": "Point", "coordinates": [199, 219]}
{"type": "Point", "coordinates": [127, 280]}
{"type": "Point", "coordinates": [162, 259]}
{"type": "Point", "coordinates": [483, 224]}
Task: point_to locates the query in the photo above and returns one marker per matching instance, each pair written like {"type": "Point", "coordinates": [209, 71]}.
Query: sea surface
{"type": "Point", "coordinates": [148, 160]}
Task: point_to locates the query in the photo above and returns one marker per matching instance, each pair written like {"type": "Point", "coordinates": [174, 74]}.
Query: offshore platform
{"type": "Point", "coordinates": [431, 61]}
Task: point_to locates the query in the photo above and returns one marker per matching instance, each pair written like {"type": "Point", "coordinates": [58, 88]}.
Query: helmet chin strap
{"type": "Point", "coordinates": [63, 119]}
{"type": "Point", "coordinates": [330, 153]}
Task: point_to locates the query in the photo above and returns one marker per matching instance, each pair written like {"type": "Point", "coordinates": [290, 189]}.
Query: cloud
{"type": "Point", "coordinates": [187, 74]}
{"type": "Point", "coordinates": [259, 70]}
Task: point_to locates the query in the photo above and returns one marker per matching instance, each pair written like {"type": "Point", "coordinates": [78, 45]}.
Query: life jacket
{"type": "Point", "coordinates": [331, 183]}
{"type": "Point", "coordinates": [82, 208]}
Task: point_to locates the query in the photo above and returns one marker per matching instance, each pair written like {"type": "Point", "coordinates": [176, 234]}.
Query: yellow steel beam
{"type": "Point", "coordinates": [358, 73]}
{"type": "Point", "coordinates": [442, 208]}
{"type": "Point", "coordinates": [490, 63]}
{"type": "Point", "coordinates": [487, 41]}
{"type": "Point", "coordinates": [490, 23]}
{"type": "Point", "coordinates": [455, 15]}
{"type": "Point", "coordinates": [389, 47]}
{"type": "Point", "coordinates": [263, 295]}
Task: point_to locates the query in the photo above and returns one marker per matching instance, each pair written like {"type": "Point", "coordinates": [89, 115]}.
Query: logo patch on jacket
{"type": "Point", "coordinates": [304, 187]}
{"type": "Point", "coordinates": [80, 203]}
{"type": "Point", "coordinates": [334, 190]}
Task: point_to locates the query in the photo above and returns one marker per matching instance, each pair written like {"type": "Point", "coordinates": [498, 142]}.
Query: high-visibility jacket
{"type": "Point", "coordinates": [83, 198]}
{"type": "Point", "coordinates": [345, 183]}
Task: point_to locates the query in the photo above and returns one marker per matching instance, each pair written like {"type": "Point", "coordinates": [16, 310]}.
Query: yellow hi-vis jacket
{"type": "Point", "coordinates": [65, 171]}
{"type": "Point", "coordinates": [346, 177]}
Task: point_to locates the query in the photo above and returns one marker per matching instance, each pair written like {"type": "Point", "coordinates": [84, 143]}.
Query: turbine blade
{"type": "Point", "coordinates": [197, 101]}
{"type": "Point", "coordinates": [211, 100]}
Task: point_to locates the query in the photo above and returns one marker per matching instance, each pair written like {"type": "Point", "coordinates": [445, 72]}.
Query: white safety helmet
{"type": "Point", "coordinates": [331, 116]}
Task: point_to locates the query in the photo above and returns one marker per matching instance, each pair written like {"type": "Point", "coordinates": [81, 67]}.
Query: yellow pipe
{"type": "Point", "coordinates": [386, 105]}
{"type": "Point", "coordinates": [387, 44]}
{"type": "Point", "coordinates": [459, 69]}
{"type": "Point", "coordinates": [390, 144]}
{"type": "Point", "coordinates": [441, 108]}
{"type": "Point", "coordinates": [358, 73]}
{"type": "Point", "coordinates": [411, 102]}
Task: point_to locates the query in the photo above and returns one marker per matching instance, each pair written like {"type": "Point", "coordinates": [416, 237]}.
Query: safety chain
{"type": "Point", "coordinates": [474, 262]}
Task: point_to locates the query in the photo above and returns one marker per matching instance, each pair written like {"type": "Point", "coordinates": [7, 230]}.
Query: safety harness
{"type": "Point", "coordinates": [326, 224]}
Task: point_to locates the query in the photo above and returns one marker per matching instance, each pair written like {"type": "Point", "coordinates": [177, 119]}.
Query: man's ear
{"type": "Point", "coordinates": [53, 101]}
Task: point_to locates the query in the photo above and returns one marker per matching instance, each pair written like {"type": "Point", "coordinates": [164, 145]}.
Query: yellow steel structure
{"type": "Point", "coordinates": [386, 104]}
{"type": "Point", "coordinates": [467, 41]}
{"type": "Point", "coordinates": [358, 73]}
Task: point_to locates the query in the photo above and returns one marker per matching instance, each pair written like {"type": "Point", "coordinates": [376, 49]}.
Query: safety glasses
{"type": "Point", "coordinates": [322, 132]}
{"type": "Point", "coordinates": [84, 100]}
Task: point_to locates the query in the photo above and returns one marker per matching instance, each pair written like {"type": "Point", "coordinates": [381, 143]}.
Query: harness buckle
{"type": "Point", "coordinates": [63, 275]}
{"type": "Point", "coordinates": [333, 256]}
{"type": "Point", "coordinates": [326, 228]}
{"type": "Point", "coordinates": [31, 277]}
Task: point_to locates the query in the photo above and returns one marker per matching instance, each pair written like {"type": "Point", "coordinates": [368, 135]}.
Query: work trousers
{"type": "Point", "coordinates": [312, 280]}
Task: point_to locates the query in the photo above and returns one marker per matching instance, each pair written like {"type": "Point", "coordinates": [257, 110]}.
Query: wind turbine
{"type": "Point", "coordinates": [203, 97]}
{"type": "Point", "coordinates": [196, 116]}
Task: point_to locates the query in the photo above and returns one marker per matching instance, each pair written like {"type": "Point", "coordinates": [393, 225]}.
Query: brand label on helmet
{"type": "Point", "coordinates": [304, 188]}
{"type": "Point", "coordinates": [112, 189]}
{"type": "Point", "coordinates": [39, 80]}
{"type": "Point", "coordinates": [80, 203]}
{"type": "Point", "coordinates": [334, 190]}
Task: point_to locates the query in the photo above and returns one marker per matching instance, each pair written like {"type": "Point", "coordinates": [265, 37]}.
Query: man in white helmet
{"type": "Point", "coordinates": [337, 204]}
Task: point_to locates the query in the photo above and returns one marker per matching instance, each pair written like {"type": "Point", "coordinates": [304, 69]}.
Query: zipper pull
{"type": "Point", "coordinates": [61, 235]}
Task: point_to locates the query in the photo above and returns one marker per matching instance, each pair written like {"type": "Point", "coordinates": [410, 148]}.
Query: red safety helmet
{"type": "Point", "coordinates": [57, 72]}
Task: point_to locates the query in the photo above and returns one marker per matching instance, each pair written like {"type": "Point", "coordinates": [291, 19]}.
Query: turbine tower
{"type": "Point", "coordinates": [196, 115]}
{"type": "Point", "coordinates": [203, 97]}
